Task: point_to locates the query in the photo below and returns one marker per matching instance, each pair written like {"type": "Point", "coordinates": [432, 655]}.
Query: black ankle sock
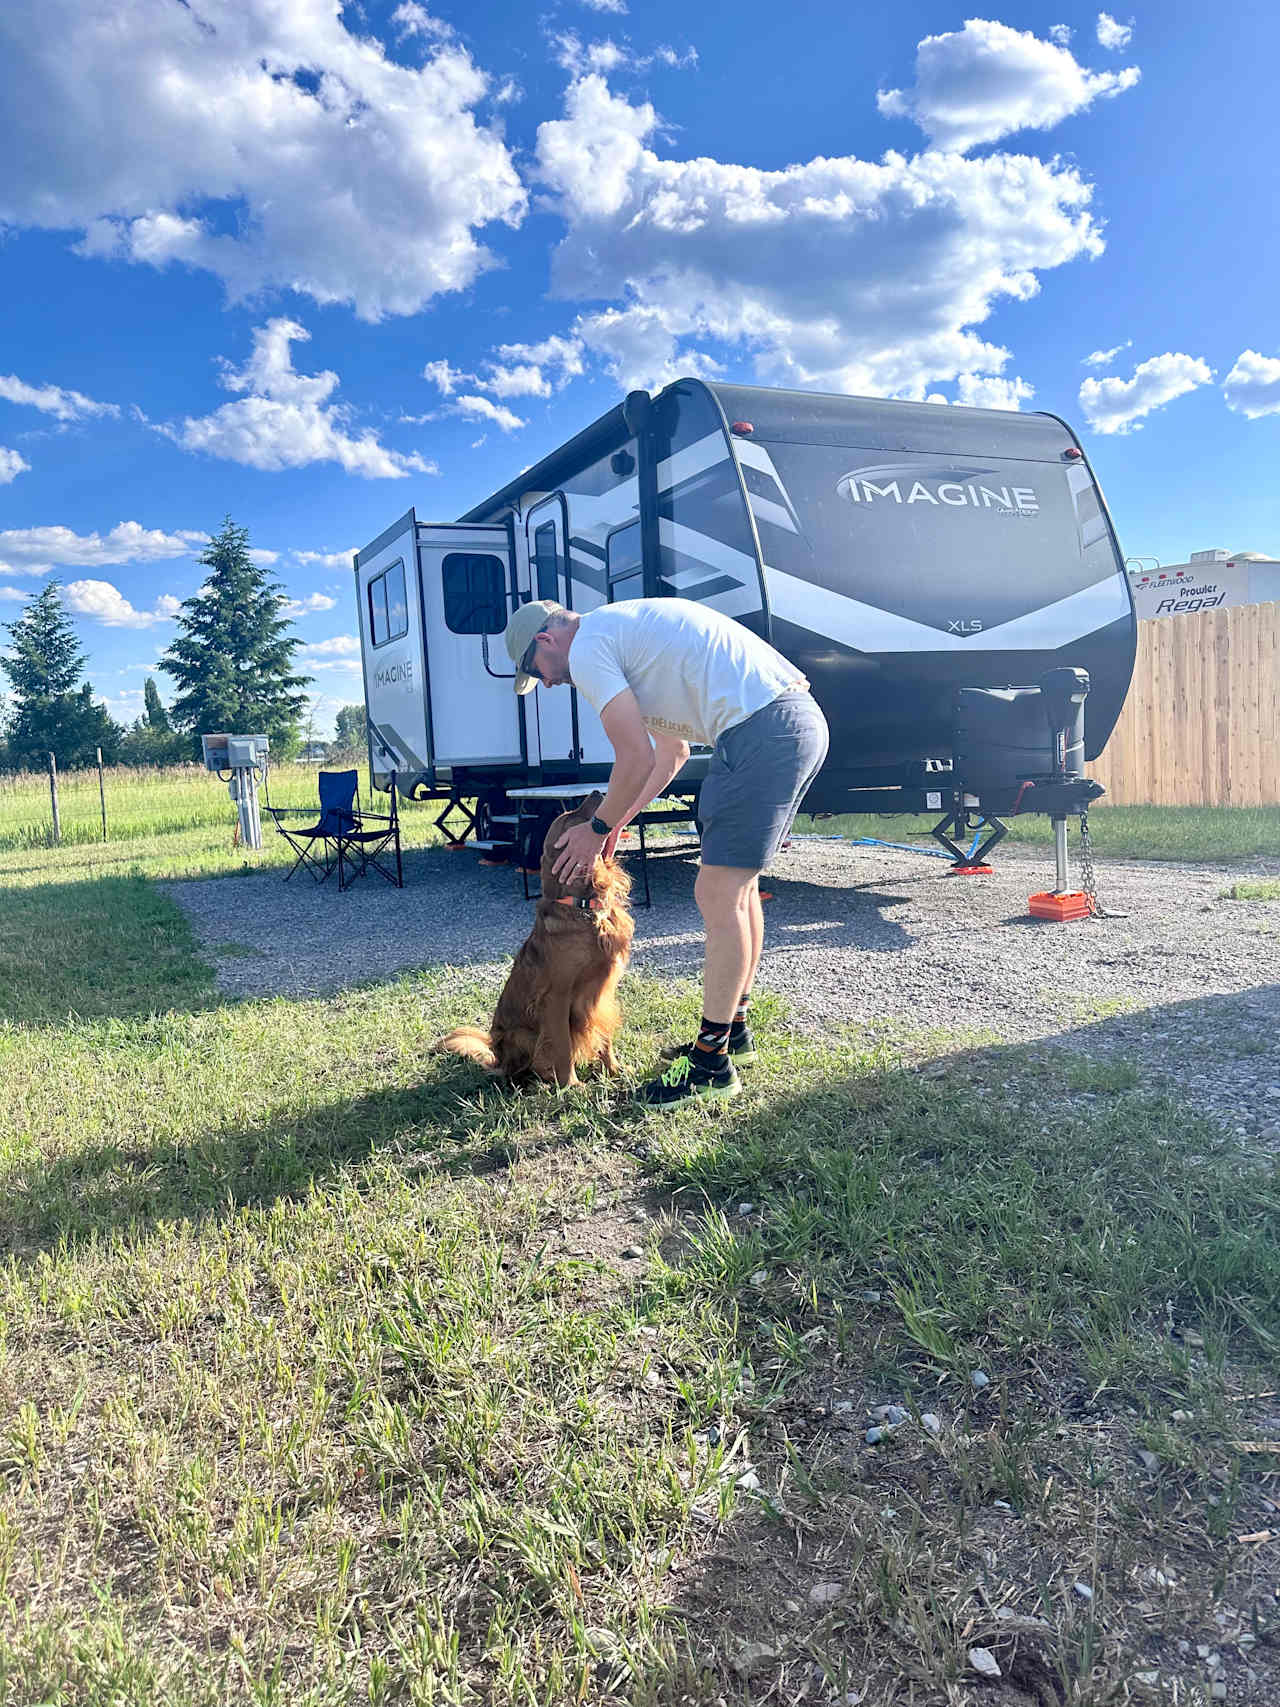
{"type": "Point", "coordinates": [740, 1018]}
{"type": "Point", "coordinates": [710, 1050]}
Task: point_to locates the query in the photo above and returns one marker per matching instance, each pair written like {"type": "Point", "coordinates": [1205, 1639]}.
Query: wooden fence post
{"type": "Point", "coordinates": [102, 795]}
{"type": "Point", "coordinates": [53, 795]}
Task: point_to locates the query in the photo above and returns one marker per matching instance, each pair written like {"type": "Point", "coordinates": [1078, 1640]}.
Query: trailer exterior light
{"type": "Point", "coordinates": [744, 429]}
{"type": "Point", "coordinates": [1073, 452]}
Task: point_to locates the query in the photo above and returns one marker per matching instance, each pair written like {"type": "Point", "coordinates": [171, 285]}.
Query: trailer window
{"type": "Point", "coordinates": [388, 607]}
{"type": "Point", "coordinates": [546, 560]}
{"type": "Point", "coordinates": [623, 563]}
{"type": "Point", "coordinates": [475, 592]}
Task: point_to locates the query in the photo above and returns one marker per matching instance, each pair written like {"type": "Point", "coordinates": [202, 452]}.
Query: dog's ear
{"type": "Point", "coordinates": [591, 805]}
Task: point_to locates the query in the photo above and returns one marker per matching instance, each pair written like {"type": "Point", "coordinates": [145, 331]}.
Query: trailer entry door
{"type": "Point", "coordinates": [553, 727]}
{"type": "Point", "coordinates": [468, 589]}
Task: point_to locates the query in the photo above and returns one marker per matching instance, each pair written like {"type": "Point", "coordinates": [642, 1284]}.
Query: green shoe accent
{"type": "Point", "coordinates": [684, 1080]}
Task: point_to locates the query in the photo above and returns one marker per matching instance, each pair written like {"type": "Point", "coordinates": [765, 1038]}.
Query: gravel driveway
{"type": "Point", "coordinates": [1185, 985]}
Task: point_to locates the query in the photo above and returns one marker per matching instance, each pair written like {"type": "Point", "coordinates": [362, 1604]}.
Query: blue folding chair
{"type": "Point", "coordinates": [319, 846]}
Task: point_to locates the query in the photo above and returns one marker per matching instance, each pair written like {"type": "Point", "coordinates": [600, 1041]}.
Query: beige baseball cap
{"type": "Point", "coordinates": [525, 626]}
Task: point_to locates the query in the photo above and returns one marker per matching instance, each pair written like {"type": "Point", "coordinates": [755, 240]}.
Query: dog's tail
{"type": "Point", "coordinates": [475, 1045]}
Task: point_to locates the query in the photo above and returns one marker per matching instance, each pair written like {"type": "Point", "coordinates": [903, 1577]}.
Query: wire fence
{"type": "Point", "coordinates": [137, 801]}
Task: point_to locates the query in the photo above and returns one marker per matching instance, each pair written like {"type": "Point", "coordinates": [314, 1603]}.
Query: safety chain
{"type": "Point", "coordinates": [1088, 881]}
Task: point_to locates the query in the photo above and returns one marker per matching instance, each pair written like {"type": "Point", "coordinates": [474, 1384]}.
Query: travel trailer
{"type": "Point", "coordinates": [947, 578]}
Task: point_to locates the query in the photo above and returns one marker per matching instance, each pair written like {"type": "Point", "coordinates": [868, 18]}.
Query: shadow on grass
{"type": "Point", "coordinates": [115, 948]}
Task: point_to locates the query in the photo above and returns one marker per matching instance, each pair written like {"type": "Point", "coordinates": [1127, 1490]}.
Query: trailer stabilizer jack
{"type": "Point", "coordinates": [962, 820]}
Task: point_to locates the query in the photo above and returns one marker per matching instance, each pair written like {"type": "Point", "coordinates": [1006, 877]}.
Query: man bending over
{"type": "Point", "coordinates": [662, 673]}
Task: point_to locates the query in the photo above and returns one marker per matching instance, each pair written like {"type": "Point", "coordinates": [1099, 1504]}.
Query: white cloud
{"type": "Point", "coordinates": [263, 558]}
{"type": "Point", "coordinates": [52, 399]}
{"type": "Point", "coordinates": [1060, 33]}
{"type": "Point", "coordinates": [524, 380]}
{"type": "Point", "coordinates": [327, 559]}
{"type": "Point", "coordinates": [127, 706]}
{"type": "Point", "coordinates": [288, 420]}
{"type": "Point", "coordinates": [105, 601]}
{"type": "Point", "coordinates": [414, 20]}
{"type": "Point", "coordinates": [12, 464]}
{"type": "Point", "coordinates": [985, 391]}
{"type": "Point", "coordinates": [306, 606]}
{"type": "Point", "coordinates": [264, 142]}
{"type": "Point", "coordinates": [340, 646]}
{"type": "Point", "coordinates": [507, 93]}
{"type": "Point", "coordinates": [1113, 35]}
{"type": "Point", "coordinates": [1104, 358]}
{"type": "Point", "coordinates": [1252, 388]}
{"type": "Point", "coordinates": [853, 275]}
{"type": "Point", "coordinates": [581, 58]}
{"type": "Point", "coordinates": [476, 408]}
{"type": "Point", "coordinates": [32, 551]}
{"type": "Point", "coordinates": [987, 80]}
{"type": "Point", "coordinates": [13, 593]}
{"type": "Point", "coordinates": [1118, 405]}
{"type": "Point", "coordinates": [617, 6]}
{"type": "Point", "coordinates": [446, 378]}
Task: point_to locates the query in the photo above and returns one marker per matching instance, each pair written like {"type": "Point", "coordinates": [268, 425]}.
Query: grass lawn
{"type": "Point", "coordinates": [330, 1374]}
{"type": "Point", "coordinates": [1192, 833]}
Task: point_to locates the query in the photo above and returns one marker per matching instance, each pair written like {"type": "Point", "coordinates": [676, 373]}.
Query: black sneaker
{"type": "Point", "coordinates": [684, 1080]}
{"type": "Point", "coordinates": [740, 1050]}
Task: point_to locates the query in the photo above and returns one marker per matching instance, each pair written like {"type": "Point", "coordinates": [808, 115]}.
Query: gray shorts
{"type": "Point", "coordinates": [760, 771]}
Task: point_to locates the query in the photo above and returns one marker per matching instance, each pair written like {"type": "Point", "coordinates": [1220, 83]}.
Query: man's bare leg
{"type": "Point", "coordinates": [725, 895]}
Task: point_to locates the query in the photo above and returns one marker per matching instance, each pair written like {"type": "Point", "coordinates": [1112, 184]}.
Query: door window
{"type": "Point", "coordinates": [388, 607]}
{"type": "Point", "coordinates": [546, 561]}
{"type": "Point", "coordinates": [475, 592]}
{"type": "Point", "coordinates": [623, 563]}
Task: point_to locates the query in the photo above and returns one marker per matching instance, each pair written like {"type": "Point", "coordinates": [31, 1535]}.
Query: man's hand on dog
{"type": "Point", "coordinates": [581, 848]}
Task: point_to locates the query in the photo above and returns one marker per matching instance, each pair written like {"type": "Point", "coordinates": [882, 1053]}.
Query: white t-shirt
{"type": "Point", "coordinates": [694, 672]}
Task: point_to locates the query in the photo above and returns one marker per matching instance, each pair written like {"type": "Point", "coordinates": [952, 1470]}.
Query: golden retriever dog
{"type": "Point", "coordinates": [559, 1008]}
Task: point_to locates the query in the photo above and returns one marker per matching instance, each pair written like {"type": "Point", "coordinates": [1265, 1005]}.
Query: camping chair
{"type": "Point", "coordinates": [371, 842]}
{"type": "Point", "coordinates": [319, 845]}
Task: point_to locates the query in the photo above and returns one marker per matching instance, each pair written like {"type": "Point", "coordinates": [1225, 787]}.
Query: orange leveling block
{"type": "Point", "coordinates": [968, 871]}
{"type": "Point", "coordinates": [1075, 904]}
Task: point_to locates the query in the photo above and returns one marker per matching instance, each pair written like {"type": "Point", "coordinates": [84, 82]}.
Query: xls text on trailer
{"type": "Point", "coordinates": [947, 578]}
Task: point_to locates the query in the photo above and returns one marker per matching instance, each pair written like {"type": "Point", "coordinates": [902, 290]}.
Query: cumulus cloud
{"type": "Point", "coordinates": [1252, 388]}
{"type": "Point", "coordinates": [986, 391]}
{"type": "Point", "coordinates": [265, 143]}
{"type": "Point", "coordinates": [1060, 33]}
{"type": "Point", "coordinates": [1104, 358]}
{"type": "Point", "coordinates": [12, 464]}
{"type": "Point", "coordinates": [263, 558]}
{"type": "Point", "coordinates": [1119, 405]}
{"type": "Point", "coordinates": [341, 654]}
{"type": "Point", "coordinates": [32, 551]}
{"type": "Point", "coordinates": [579, 57]}
{"type": "Point", "coordinates": [307, 606]}
{"type": "Point", "coordinates": [288, 419]}
{"type": "Point", "coordinates": [617, 6]}
{"type": "Point", "coordinates": [987, 80]}
{"type": "Point", "coordinates": [1113, 35]}
{"type": "Point", "coordinates": [327, 559]}
{"type": "Point", "coordinates": [53, 399]}
{"type": "Point", "coordinates": [410, 19]}
{"type": "Point", "coordinates": [105, 601]}
{"type": "Point", "coordinates": [849, 274]}
{"type": "Point", "coordinates": [12, 593]}
{"type": "Point", "coordinates": [477, 408]}
{"type": "Point", "coordinates": [503, 381]}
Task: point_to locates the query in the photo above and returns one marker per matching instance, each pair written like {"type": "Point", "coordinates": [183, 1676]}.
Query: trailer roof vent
{"type": "Point", "coordinates": [744, 429]}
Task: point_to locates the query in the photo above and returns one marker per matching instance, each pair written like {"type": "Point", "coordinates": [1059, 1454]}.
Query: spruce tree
{"type": "Point", "coordinates": [53, 711]}
{"type": "Point", "coordinates": [232, 659]}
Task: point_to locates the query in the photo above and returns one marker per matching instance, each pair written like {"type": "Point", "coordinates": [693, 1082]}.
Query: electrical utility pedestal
{"type": "Point", "coordinates": [241, 762]}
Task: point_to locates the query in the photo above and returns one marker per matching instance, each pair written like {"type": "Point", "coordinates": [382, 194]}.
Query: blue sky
{"type": "Point", "coordinates": [308, 265]}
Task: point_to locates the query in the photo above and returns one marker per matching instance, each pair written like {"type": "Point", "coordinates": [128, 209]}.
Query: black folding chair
{"type": "Point", "coordinates": [371, 843]}
{"type": "Point", "coordinates": [319, 845]}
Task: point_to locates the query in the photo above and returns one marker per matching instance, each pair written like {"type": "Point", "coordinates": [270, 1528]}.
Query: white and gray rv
{"type": "Point", "coordinates": [948, 579]}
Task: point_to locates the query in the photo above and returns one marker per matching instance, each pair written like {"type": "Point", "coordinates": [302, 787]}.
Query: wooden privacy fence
{"type": "Point", "coordinates": [1201, 725]}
